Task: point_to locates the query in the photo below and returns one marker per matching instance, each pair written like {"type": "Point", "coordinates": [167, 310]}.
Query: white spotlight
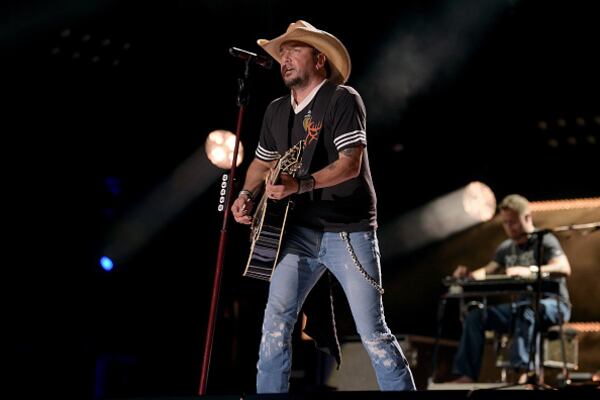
{"type": "Point", "coordinates": [479, 201]}
{"type": "Point", "coordinates": [438, 219]}
{"type": "Point", "coordinates": [219, 148]}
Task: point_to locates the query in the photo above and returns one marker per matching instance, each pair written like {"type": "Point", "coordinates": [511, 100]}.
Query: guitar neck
{"type": "Point", "coordinates": [271, 179]}
{"type": "Point", "coordinates": [275, 175]}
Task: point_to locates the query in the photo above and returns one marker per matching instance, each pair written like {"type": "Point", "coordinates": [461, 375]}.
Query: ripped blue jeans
{"type": "Point", "coordinates": [305, 256]}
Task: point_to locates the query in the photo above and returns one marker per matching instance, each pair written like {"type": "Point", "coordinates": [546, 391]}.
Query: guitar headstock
{"type": "Point", "coordinates": [291, 161]}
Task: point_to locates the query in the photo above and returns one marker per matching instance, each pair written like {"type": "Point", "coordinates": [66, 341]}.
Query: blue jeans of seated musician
{"type": "Point", "coordinates": [306, 254]}
{"type": "Point", "coordinates": [518, 316]}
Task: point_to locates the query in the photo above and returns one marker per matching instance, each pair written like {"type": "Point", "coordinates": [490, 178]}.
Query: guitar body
{"type": "Point", "coordinates": [266, 239]}
{"type": "Point", "coordinates": [268, 223]}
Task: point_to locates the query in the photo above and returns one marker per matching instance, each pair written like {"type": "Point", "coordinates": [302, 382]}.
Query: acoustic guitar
{"type": "Point", "coordinates": [268, 223]}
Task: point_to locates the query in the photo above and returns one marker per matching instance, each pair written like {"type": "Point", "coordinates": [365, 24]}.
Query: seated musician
{"type": "Point", "coordinates": [515, 257]}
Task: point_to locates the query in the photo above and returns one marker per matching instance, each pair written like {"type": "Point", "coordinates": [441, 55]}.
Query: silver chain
{"type": "Point", "coordinates": [357, 264]}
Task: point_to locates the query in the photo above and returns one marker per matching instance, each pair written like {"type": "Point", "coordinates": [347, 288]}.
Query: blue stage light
{"type": "Point", "coordinates": [106, 263]}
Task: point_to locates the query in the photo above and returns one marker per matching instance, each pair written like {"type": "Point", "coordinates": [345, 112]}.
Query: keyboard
{"type": "Point", "coordinates": [505, 284]}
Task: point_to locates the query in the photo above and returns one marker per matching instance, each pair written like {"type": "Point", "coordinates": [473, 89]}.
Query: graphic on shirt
{"type": "Point", "coordinates": [312, 130]}
{"type": "Point", "coordinates": [525, 258]}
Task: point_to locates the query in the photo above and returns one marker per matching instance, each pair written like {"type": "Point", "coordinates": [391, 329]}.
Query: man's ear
{"type": "Point", "coordinates": [321, 60]}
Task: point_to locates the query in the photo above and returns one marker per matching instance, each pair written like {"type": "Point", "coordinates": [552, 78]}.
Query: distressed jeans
{"type": "Point", "coordinates": [519, 317]}
{"type": "Point", "coordinates": [306, 254]}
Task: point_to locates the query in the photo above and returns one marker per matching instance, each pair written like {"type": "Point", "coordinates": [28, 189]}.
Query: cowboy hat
{"type": "Point", "coordinates": [301, 31]}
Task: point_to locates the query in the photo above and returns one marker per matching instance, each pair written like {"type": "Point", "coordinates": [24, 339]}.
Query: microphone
{"type": "Point", "coordinates": [249, 57]}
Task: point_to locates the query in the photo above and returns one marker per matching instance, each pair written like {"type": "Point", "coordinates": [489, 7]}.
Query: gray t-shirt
{"type": "Point", "coordinates": [510, 254]}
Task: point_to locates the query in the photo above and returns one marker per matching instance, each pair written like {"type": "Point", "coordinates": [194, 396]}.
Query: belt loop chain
{"type": "Point", "coordinates": [365, 274]}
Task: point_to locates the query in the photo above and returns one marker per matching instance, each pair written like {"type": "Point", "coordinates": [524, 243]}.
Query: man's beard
{"type": "Point", "coordinates": [520, 238]}
{"type": "Point", "coordinates": [297, 81]}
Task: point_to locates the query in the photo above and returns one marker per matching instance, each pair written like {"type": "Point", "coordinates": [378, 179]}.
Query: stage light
{"type": "Point", "coordinates": [479, 201]}
{"type": "Point", "coordinates": [219, 149]}
{"type": "Point", "coordinates": [106, 263]}
{"type": "Point", "coordinates": [565, 204]}
{"type": "Point", "coordinates": [438, 219]}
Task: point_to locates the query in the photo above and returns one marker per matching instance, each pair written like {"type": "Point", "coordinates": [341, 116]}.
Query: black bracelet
{"type": "Point", "coordinates": [306, 183]}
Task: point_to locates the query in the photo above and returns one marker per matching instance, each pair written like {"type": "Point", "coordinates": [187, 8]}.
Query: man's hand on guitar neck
{"type": "Point", "coordinates": [286, 185]}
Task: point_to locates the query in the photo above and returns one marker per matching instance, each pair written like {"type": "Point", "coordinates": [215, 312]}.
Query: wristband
{"type": "Point", "coordinates": [534, 269]}
{"type": "Point", "coordinates": [306, 183]}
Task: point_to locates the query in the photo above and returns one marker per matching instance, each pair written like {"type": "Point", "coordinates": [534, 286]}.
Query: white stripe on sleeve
{"type": "Point", "coordinates": [266, 155]}
{"type": "Point", "coordinates": [350, 137]}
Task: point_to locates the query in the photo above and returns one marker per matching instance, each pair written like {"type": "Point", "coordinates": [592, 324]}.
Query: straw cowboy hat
{"type": "Point", "coordinates": [301, 31]}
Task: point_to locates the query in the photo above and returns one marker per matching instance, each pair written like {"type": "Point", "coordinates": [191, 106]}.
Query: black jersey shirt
{"type": "Point", "coordinates": [349, 206]}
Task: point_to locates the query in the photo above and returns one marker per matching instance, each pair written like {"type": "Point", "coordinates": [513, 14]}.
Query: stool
{"type": "Point", "coordinates": [555, 344]}
{"type": "Point", "coordinates": [559, 350]}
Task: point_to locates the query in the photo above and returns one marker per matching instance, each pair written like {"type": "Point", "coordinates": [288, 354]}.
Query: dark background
{"type": "Point", "coordinates": [455, 92]}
